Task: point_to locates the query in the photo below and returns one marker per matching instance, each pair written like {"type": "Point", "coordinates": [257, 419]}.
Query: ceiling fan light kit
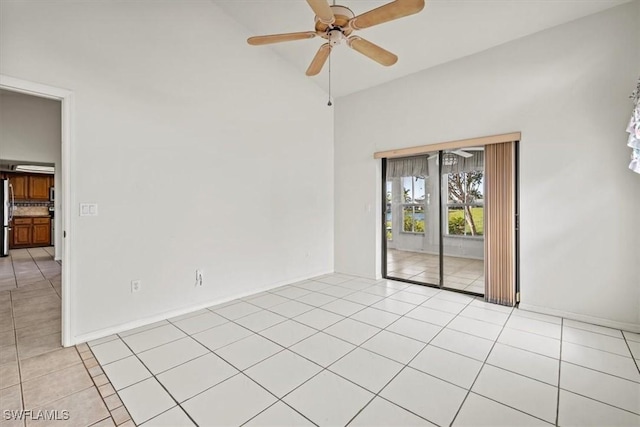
{"type": "Point", "coordinates": [336, 24]}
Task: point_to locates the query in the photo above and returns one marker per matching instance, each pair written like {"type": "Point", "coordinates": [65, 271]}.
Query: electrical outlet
{"type": "Point", "coordinates": [136, 286]}
{"type": "Point", "coordinates": [199, 278]}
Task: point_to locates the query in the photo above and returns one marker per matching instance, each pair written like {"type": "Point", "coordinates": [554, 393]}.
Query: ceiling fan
{"type": "Point", "coordinates": [336, 24]}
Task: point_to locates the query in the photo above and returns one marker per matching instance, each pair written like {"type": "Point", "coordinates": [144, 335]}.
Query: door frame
{"type": "Point", "coordinates": [67, 100]}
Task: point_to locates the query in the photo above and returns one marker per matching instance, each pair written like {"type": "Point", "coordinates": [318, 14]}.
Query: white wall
{"type": "Point", "coordinates": [566, 89]}
{"type": "Point", "coordinates": [30, 130]}
{"type": "Point", "coordinates": [201, 152]}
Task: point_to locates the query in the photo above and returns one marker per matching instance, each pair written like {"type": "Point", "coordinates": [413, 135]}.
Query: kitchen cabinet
{"type": "Point", "coordinates": [30, 186]}
{"type": "Point", "coordinates": [28, 232]}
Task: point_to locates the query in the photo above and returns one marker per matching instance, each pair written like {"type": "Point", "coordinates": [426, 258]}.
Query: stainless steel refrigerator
{"type": "Point", "coordinates": [7, 200]}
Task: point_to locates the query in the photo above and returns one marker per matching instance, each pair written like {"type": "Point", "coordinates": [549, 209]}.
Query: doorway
{"type": "Point", "coordinates": [62, 192]}
{"type": "Point", "coordinates": [434, 219]}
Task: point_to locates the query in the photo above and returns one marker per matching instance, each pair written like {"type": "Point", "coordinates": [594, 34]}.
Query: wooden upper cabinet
{"type": "Point", "coordinates": [38, 187]}
{"type": "Point", "coordinates": [20, 184]}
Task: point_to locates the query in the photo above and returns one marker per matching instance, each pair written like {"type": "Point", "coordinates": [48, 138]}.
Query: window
{"type": "Point", "coordinates": [465, 203]}
{"type": "Point", "coordinates": [413, 203]}
{"type": "Point", "coordinates": [388, 211]}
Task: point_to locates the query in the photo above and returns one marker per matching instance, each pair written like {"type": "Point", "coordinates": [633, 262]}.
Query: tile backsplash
{"type": "Point", "coordinates": [31, 210]}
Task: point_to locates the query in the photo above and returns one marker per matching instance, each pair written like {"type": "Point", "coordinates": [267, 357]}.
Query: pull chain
{"type": "Point", "coordinates": [329, 103]}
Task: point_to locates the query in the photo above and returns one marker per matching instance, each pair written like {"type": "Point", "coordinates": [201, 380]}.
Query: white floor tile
{"type": "Point", "coordinates": [230, 403]}
{"type": "Point", "coordinates": [343, 307]}
{"type": "Point", "coordinates": [424, 395]}
{"type": "Point", "coordinates": [530, 342]}
{"type": "Point", "coordinates": [479, 411]}
{"type": "Point", "coordinates": [143, 328]}
{"type": "Point", "coordinates": [394, 306]}
{"type": "Point", "coordinates": [602, 361]}
{"type": "Point", "coordinates": [328, 400]}
{"type": "Point", "coordinates": [525, 363]}
{"type": "Point", "coordinates": [596, 340]}
{"type": "Point", "coordinates": [375, 317]}
{"type": "Point", "coordinates": [238, 310]}
{"type": "Point", "coordinates": [172, 418]}
{"type": "Point", "coordinates": [534, 326]}
{"type": "Point", "coordinates": [288, 333]}
{"type": "Point", "coordinates": [394, 346]}
{"type": "Point", "coordinates": [153, 338]}
{"type": "Point", "coordinates": [268, 300]}
{"type": "Point", "coordinates": [103, 340]}
{"type": "Point", "coordinates": [311, 285]}
{"type": "Point", "coordinates": [336, 291]}
{"type": "Point", "coordinates": [196, 376]}
{"type": "Point", "coordinates": [455, 297]}
{"type": "Point", "coordinates": [593, 328]}
{"type": "Point", "coordinates": [517, 312]}
{"type": "Point", "coordinates": [167, 356]}
{"type": "Point", "coordinates": [533, 397]}
{"type": "Point", "coordinates": [188, 315]}
{"type": "Point", "coordinates": [145, 400]}
{"type": "Point", "coordinates": [366, 369]}
{"type": "Point", "coordinates": [126, 372]}
{"type": "Point", "coordinates": [452, 367]}
{"type": "Point", "coordinates": [464, 344]}
{"type": "Point", "coordinates": [485, 315]}
{"type": "Point", "coordinates": [279, 415]}
{"type": "Point", "coordinates": [283, 372]}
{"type": "Point", "coordinates": [363, 298]}
{"type": "Point", "coordinates": [193, 325]}
{"type": "Point", "coordinates": [292, 292]}
{"type": "Point", "coordinates": [415, 329]}
{"type": "Point", "coordinates": [631, 336]}
{"type": "Point", "coordinates": [248, 351]}
{"type": "Point", "coordinates": [479, 303]}
{"type": "Point", "coordinates": [334, 279]}
{"type": "Point", "coordinates": [381, 291]}
{"type": "Point", "coordinates": [409, 297]}
{"type": "Point", "coordinates": [110, 351]}
{"type": "Point", "coordinates": [635, 349]}
{"type": "Point", "coordinates": [316, 299]}
{"type": "Point", "coordinates": [322, 348]}
{"type": "Point", "coordinates": [605, 388]}
{"type": "Point", "coordinates": [291, 308]}
{"type": "Point", "coordinates": [352, 331]}
{"type": "Point", "coordinates": [260, 320]}
{"type": "Point", "coordinates": [222, 335]}
{"type": "Point", "coordinates": [318, 319]}
{"type": "Point", "coordinates": [580, 411]}
{"type": "Point", "coordinates": [444, 305]}
{"type": "Point", "coordinates": [437, 317]}
{"type": "Point", "coordinates": [475, 327]}
{"type": "Point", "coordinates": [381, 413]}
{"type": "Point", "coordinates": [422, 290]}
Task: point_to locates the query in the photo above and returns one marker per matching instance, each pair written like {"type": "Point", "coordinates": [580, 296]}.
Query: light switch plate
{"type": "Point", "coordinates": [88, 209]}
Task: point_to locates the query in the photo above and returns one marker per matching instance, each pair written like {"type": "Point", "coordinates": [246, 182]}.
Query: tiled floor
{"type": "Point", "coordinates": [36, 373]}
{"type": "Point", "coordinates": [459, 273]}
{"type": "Point", "coordinates": [340, 350]}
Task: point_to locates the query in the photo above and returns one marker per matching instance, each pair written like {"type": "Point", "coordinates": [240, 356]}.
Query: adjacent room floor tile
{"type": "Point", "coordinates": [328, 399]}
{"type": "Point", "coordinates": [196, 376]}
{"type": "Point", "coordinates": [145, 400]}
{"type": "Point", "coordinates": [424, 395]}
{"type": "Point", "coordinates": [533, 397]}
{"type": "Point", "coordinates": [480, 411]}
{"type": "Point", "coordinates": [283, 372]}
{"type": "Point", "coordinates": [231, 403]}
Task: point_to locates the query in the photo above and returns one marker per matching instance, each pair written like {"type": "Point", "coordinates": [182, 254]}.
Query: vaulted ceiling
{"type": "Point", "coordinates": [444, 31]}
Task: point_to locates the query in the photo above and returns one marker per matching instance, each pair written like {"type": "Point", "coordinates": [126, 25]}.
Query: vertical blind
{"type": "Point", "coordinates": [500, 227]}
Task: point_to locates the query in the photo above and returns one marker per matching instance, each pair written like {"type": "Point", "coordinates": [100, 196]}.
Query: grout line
{"type": "Point", "coordinates": [631, 352]}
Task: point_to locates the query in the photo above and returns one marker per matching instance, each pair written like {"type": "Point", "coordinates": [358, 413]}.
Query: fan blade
{"type": "Point", "coordinates": [394, 10]}
{"type": "Point", "coordinates": [322, 10]}
{"type": "Point", "coordinates": [462, 153]}
{"type": "Point", "coordinates": [371, 50]}
{"type": "Point", "coordinates": [318, 61]}
{"type": "Point", "coordinates": [279, 38]}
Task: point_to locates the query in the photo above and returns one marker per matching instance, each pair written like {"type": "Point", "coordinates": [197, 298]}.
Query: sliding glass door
{"type": "Point", "coordinates": [433, 219]}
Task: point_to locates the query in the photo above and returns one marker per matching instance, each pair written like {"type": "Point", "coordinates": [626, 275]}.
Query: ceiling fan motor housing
{"type": "Point", "coordinates": [338, 29]}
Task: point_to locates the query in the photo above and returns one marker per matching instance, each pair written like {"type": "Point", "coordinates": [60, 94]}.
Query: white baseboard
{"type": "Point", "coordinates": [179, 312]}
{"type": "Point", "coordinates": [630, 327]}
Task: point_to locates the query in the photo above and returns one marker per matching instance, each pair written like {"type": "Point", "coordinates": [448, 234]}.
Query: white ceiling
{"type": "Point", "coordinates": [445, 30]}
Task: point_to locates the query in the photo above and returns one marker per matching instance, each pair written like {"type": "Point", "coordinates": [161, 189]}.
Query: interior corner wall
{"type": "Point", "coordinates": [202, 152]}
{"type": "Point", "coordinates": [567, 90]}
{"type": "Point", "coordinates": [30, 131]}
